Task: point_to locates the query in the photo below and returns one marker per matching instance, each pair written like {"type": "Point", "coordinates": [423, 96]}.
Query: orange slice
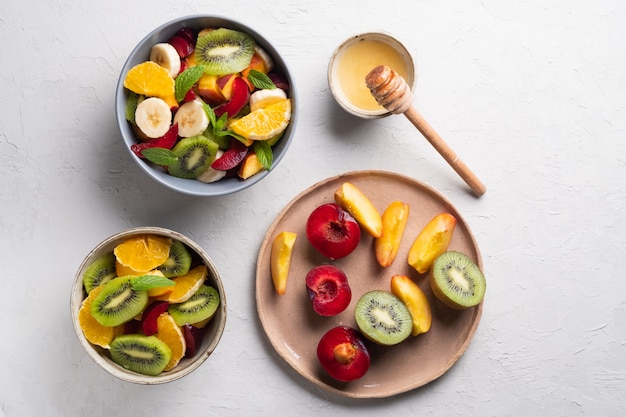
{"type": "Point", "coordinates": [264, 123]}
{"type": "Point", "coordinates": [143, 253]}
{"type": "Point", "coordinates": [187, 285]}
{"type": "Point", "coordinates": [169, 332]}
{"type": "Point", "coordinates": [94, 332]}
{"type": "Point", "coordinates": [150, 79]}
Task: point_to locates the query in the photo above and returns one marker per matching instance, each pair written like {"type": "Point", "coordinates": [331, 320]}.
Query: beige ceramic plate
{"type": "Point", "coordinates": [294, 329]}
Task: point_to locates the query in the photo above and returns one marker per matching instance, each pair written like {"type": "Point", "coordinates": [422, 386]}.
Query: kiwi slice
{"type": "Point", "coordinates": [146, 355]}
{"type": "Point", "coordinates": [178, 261]}
{"type": "Point", "coordinates": [224, 51]}
{"type": "Point", "coordinates": [101, 271]}
{"type": "Point", "coordinates": [195, 155]}
{"type": "Point", "coordinates": [118, 302]}
{"type": "Point", "coordinates": [457, 281]}
{"type": "Point", "coordinates": [383, 318]}
{"type": "Point", "coordinates": [201, 306]}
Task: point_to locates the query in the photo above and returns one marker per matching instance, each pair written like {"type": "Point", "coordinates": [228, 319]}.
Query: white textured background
{"type": "Point", "coordinates": [529, 93]}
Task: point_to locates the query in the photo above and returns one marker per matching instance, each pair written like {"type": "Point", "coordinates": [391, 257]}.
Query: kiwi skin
{"type": "Point", "coordinates": [195, 155]}
{"type": "Point", "coordinates": [178, 261]}
{"type": "Point", "coordinates": [108, 311]}
{"type": "Point", "coordinates": [155, 356]}
{"type": "Point", "coordinates": [383, 300]}
{"type": "Point", "coordinates": [201, 306]}
{"type": "Point", "coordinates": [464, 268]}
{"type": "Point", "coordinates": [101, 271]}
{"type": "Point", "coordinates": [224, 51]}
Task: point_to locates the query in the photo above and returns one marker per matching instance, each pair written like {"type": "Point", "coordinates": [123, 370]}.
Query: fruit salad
{"type": "Point", "coordinates": [148, 303]}
{"type": "Point", "coordinates": [207, 105]}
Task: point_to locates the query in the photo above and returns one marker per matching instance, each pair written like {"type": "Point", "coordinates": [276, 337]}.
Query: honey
{"type": "Point", "coordinates": [357, 61]}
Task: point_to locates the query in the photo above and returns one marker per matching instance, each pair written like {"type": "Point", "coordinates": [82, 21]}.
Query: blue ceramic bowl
{"type": "Point", "coordinates": [141, 53]}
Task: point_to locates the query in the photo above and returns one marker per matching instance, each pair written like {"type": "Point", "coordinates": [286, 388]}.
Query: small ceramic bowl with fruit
{"type": "Point", "coordinates": [206, 105]}
{"type": "Point", "coordinates": [148, 305]}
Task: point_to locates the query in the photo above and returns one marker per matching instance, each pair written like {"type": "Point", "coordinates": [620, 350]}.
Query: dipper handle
{"type": "Point", "coordinates": [393, 93]}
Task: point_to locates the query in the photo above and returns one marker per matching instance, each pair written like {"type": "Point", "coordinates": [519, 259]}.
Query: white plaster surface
{"type": "Point", "coordinates": [529, 93]}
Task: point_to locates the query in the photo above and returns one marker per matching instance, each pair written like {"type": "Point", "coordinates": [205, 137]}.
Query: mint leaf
{"type": "Point", "coordinates": [147, 282]}
{"type": "Point", "coordinates": [210, 113]}
{"type": "Point", "coordinates": [264, 152]}
{"type": "Point", "coordinates": [260, 80]}
{"type": "Point", "coordinates": [185, 80]}
{"type": "Point", "coordinates": [131, 106]}
{"type": "Point", "coordinates": [160, 156]}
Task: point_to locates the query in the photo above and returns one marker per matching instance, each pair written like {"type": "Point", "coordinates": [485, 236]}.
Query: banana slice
{"type": "Point", "coordinates": [153, 117]}
{"type": "Point", "coordinates": [263, 98]}
{"type": "Point", "coordinates": [265, 57]}
{"type": "Point", "coordinates": [166, 56]}
{"type": "Point", "coordinates": [192, 119]}
{"type": "Point", "coordinates": [210, 174]}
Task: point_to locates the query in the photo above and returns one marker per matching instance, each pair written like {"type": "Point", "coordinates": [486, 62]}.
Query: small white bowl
{"type": "Point", "coordinates": [334, 73]}
{"type": "Point", "coordinates": [214, 329]}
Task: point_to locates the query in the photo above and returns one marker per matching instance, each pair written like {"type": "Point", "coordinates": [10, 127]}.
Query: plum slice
{"type": "Point", "coordinates": [231, 157]}
{"type": "Point", "coordinates": [150, 316]}
{"type": "Point", "coordinates": [343, 354]}
{"type": "Point", "coordinates": [333, 231]}
{"type": "Point", "coordinates": [328, 289]}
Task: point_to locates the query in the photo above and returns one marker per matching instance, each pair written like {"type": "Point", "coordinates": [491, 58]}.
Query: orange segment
{"type": "Point", "coordinates": [187, 285]}
{"type": "Point", "coordinates": [143, 253]}
{"type": "Point", "coordinates": [265, 123]}
{"type": "Point", "coordinates": [169, 332]}
{"type": "Point", "coordinates": [94, 332]}
{"type": "Point", "coordinates": [150, 79]}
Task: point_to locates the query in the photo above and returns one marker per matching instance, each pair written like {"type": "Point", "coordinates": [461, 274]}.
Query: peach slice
{"type": "Point", "coordinates": [394, 221]}
{"type": "Point", "coordinates": [353, 200]}
{"type": "Point", "coordinates": [431, 242]}
{"type": "Point", "coordinates": [249, 166]}
{"type": "Point", "coordinates": [280, 259]}
{"type": "Point", "coordinates": [209, 90]}
{"type": "Point", "coordinates": [415, 300]}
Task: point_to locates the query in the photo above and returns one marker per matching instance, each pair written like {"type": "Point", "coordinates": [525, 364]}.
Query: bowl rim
{"type": "Point", "coordinates": [107, 364]}
{"type": "Point", "coordinates": [332, 78]}
{"type": "Point", "coordinates": [194, 187]}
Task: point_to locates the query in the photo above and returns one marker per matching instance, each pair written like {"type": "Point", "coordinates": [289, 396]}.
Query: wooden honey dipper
{"type": "Point", "coordinates": [393, 93]}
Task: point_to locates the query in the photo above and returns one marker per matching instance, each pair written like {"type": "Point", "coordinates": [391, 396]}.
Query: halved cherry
{"type": "Point", "coordinates": [342, 352]}
{"type": "Point", "coordinates": [328, 290]}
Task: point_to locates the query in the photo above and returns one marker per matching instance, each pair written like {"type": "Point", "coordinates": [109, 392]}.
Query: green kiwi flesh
{"type": "Point", "coordinates": [118, 302]}
{"type": "Point", "coordinates": [201, 306]}
{"type": "Point", "coordinates": [178, 261]}
{"type": "Point", "coordinates": [195, 155]}
{"type": "Point", "coordinates": [224, 51]}
{"type": "Point", "coordinates": [147, 355]}
{"type": "Point", "coordinates": [457, 281]}
{"type": "Point", "coordinates": [383, 318]}
{"type": "Point", "coordinates": [101, 271]}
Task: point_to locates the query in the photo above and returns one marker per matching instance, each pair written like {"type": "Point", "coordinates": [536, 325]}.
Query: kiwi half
{"type": "Point", "coordinates": [457, 281]}
{"type": "Point", "coordinates": [195, 155]}
{"type": "Point", "coordinates": [146, 355]}
{"type": "Point", "coordinates": [118, 302]}
{"type": "Point", "coordinates": [201, 306]}
{"type": "Point", "coordinates": [178, 262]}
{"type": "Point", "coordinates": [383, 318]}
{"type": "Point", "coordinates": [99, 272]}
{"type": "Point", "coordinates": [224, 51]}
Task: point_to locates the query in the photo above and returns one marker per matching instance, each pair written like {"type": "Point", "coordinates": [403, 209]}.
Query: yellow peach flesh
{"type": "Point", "coordinates": [431, 242]}
{"type": "Point", "coordinates": [415, 300]}
{"type": "Point", "coordinates": [394, 221]}
{"type": "Point", "coordinates": [355, 202]}
{"type": "Point", "coordinates": [280, 259]}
